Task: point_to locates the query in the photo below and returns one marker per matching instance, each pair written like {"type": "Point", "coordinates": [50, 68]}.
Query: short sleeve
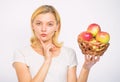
{"type": "Point", "coordinates": [18, 57]}
{"type": "Point", "coordinates": [72, 59]}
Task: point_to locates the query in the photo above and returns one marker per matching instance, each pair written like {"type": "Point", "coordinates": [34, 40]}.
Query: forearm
{"type": "Point", "coordinates": [90, 60]}
{"type": "Point", "coordinates": [83, 75]}
{"type": "Point", "coordinates": [41, 75]}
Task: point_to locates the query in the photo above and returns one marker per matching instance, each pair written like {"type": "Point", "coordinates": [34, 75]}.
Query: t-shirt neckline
{"type": "Point", "coordinates": [43, 56]}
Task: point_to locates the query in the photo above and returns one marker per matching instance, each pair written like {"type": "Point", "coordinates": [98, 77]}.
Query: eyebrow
{"type": "Point", "coordinates": [47, 21]}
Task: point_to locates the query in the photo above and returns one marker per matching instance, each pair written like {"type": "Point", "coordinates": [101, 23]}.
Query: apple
{"type": "Point", "coordinates": [103, 37]}
{"type": "Point", "coordinates": [86, 36]}
{"type": "Point", "coordinates": [94, 29]}
{"type": "Point", "coordinates": [95, 44]}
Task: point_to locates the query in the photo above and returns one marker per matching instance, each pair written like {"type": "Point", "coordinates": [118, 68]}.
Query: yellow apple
{"type": "Point", "coordinates": [103, 37]}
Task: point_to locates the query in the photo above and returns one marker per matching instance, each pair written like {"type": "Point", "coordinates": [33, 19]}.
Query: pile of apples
{"type": "Point", "coordinates": [94, 34]}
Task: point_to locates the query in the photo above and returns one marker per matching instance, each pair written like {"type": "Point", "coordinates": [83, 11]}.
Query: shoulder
{"type": "Point", "coordinates": [23, 50]}
{"type": "Point", "coordinates": [68, 49]}
{"type": "Point", "coordinates": [21, 54]}
{"type": "Point", "coordinates": [71, 57]}
{"type": "Point", "coordinates": [70, 52]}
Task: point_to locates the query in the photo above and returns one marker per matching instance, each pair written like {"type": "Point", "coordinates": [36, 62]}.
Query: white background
{"type": "Point", "coordinates": [76, 15]}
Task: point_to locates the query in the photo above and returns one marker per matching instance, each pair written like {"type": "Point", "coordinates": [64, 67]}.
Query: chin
{"type": "Point", "coordinates": [46, 39]}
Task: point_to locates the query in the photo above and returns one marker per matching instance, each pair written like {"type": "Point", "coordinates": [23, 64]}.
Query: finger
{"type": "Point", "coordinates": [97, 58]}
{"type": "Point", "coordinates": [88, 57]}
{"type": "Point", "coordinates": [42, 43]}
{"type": "Point", "coordinates": [85, 57]}
{"type": "Point", "coordinates": [92, 58]}
{"type": "Point", "coordinates": [47, 49]}
{"type": "Point", "coordinates": [51, 47]}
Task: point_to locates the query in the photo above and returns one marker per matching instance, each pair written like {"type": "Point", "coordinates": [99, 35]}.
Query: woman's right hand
{"type": "Point", "coordinates": [47, 50]}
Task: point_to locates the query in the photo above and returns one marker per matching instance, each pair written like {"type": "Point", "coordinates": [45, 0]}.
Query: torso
{"type": "Point", "coordinates": [62, 60]}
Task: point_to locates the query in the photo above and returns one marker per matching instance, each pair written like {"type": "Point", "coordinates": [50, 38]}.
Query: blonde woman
{"type": "Point", "coordinates": [46, 59]}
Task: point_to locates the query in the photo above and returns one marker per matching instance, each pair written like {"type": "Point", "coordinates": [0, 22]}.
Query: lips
{"type": "Point", "coordinates": [43, 35]}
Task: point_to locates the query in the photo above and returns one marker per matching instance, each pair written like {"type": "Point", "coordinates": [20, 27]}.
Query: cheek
{"type": "Point", "coordinates": [36, 32]}
{"type": "Point", "coordinates": [51, 32]}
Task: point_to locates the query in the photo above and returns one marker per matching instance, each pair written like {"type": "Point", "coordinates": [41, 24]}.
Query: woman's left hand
{"type": "Point", "coordinates": [90, 60]}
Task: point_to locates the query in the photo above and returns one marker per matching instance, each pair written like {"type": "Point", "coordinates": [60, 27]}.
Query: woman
{"type": "Point", "coordinates": [46, 59]}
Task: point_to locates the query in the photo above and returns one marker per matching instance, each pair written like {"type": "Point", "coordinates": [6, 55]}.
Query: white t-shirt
{"type": "Point", "coordinates": [58, 68]}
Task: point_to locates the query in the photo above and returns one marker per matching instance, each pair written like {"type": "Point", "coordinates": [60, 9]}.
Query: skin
{"type": "Point", "coordinates": [45, 26]}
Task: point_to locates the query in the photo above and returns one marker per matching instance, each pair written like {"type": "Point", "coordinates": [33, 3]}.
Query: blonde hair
{"type": "Point", "coordinates": [47, 9]}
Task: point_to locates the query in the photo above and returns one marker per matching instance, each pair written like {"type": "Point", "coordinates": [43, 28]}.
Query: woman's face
{"type": "Point", "coordinates": [44, 26]}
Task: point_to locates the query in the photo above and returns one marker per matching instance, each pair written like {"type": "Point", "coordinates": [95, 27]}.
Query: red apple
{"type": "Point", "coordinates": [86, 36]}
{"type": "Point", "coordinates": [103, 37]}
{"type": "Point", "coordinates": [94, 29]}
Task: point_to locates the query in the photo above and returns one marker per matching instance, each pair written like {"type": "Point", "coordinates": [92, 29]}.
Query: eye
{"type": "Point", "coordinates": [50, 24]}
{"type": "Point", "coordinates": [38, 23]}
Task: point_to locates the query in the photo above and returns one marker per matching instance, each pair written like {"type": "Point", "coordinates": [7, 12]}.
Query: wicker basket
{"type": "Point", "coordinates": [92, 48]}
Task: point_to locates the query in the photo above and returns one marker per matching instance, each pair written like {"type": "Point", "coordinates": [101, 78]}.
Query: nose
{"type": "Point", "coordinates": [43, 28]}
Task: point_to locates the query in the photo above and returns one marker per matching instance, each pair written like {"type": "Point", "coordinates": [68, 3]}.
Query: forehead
{"type": "Point", "coordinates": [45, 17]}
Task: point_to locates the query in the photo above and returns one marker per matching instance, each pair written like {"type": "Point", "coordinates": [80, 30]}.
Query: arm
{"type": "Point", "coordinates": [89, 62]}
{"type": "Point", "coordinates": [23, 73]}
{"type": "Point", "coordinates": [83, 75]}
{"type": "Point", "coordinates": [41, 75]}
{"type": "Point", "coordinates": [72, 77]}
